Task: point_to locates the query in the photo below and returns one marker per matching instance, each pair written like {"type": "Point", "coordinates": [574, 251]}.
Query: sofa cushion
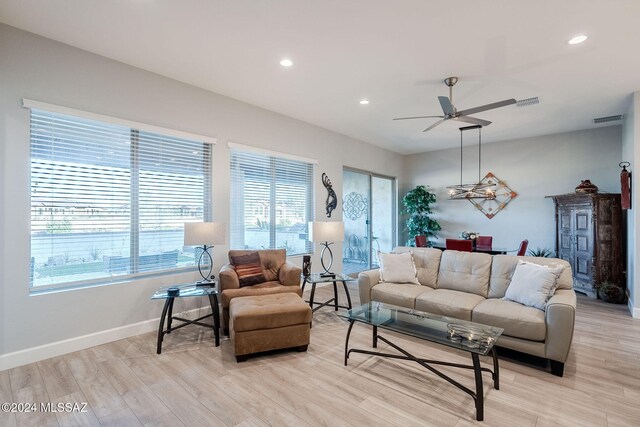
{"type": "Point", "coordinates": [401, 294]}
{"type": "Point", "coordinates": [448, 302]}
{"type": "Point", "coordinates": [465, 271]}
{"type": "Point", "coordinates": [248, 268]}
{"type": "Point", "coordinates": [517, 320]}
{"type": "Point", "coordinates": [533, 284]}
{"type": "Point", "coordinates": [397, 268]}
{"type": "Point", "coordinates": [503, 267]}
{"type": "Point", "coordinates": [427, 262]}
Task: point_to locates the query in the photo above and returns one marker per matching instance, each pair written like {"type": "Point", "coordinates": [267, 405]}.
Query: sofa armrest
{"type": "Point", "coordinates": [367, 280]}
{"type": "Point", "coordinates": [289, 274]}
{"type": "Point", "coordinates": [228, 278]}
{"type": "Point", "coordinates": [560, 316]}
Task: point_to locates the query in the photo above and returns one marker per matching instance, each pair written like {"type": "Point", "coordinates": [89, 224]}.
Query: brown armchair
{"type": "Point", "coordinates": [281, 276]}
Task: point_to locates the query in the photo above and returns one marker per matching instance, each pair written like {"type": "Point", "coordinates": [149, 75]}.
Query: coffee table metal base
{"type": "Point", "coordinates": [478, 395]}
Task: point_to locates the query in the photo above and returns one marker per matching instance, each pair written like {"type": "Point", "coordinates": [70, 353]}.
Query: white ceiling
{"type": "Point", "coordinates": [394, 53]}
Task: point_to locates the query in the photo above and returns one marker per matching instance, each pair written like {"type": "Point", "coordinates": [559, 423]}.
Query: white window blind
{"type": "Point", "coordinates": [109, 201]}
{"type": "Point", "coordinates": [271, 202]}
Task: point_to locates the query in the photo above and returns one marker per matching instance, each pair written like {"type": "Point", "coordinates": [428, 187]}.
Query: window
{"type": "Point", "coordinates": [271, 201]}
{"type": "Point", "coordinates": [109, 201]}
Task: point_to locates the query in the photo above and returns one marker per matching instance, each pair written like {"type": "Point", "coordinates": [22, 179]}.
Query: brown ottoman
{"type": "Point", "coordinates": [269, 322]}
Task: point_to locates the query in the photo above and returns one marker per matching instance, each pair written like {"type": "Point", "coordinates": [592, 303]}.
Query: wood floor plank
{"type": "Point", "coordinates": [189, 410]}
{"type": "Point", "coordinates": [58, 379]}
{"type": "Point", "coordinates": [123, 417]}
{"type": "Point", "coordinates": [252, 421]}
{"type": "Point", "coordinates": [199, 381]}
{"type": "Point", "coordinates": [27, 387]}
{"type": "Point", "coordinates": [6, 418]}
{"type": "Point", "coordinates": [261, 406]}
{"type": "Point", "coordinates": [77, 415]}
{"type": "Point", "coordinates": [137, 395]}
{"type": "Point", "coordinates": [166, 420]}
{"type": "Point", "coordinates": [103, 398]}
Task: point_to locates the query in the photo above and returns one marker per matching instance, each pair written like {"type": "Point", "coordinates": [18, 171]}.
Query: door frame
{"type": "Point", "coordinates": [394, 202]}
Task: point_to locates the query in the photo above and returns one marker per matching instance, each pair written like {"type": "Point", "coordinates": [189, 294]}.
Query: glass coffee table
{"type": "Point", "coordinates": [474, 338]}
{"type": "Point", "coordinates": [334, 278]}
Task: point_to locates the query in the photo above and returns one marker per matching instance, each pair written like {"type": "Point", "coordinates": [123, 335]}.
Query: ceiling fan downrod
{"type": "Point", "coordinates": [451, 81]}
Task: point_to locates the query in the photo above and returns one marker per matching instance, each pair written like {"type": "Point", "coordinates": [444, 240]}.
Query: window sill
{"type": "Point", "coordinates": [74, 286]}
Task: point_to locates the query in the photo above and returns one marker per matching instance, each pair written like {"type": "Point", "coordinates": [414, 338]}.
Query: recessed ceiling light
{"type": "Point", "coordinates": [364, 101]}
{"type": "Point", "coordinates": [578, 39]}
{"type": "Point", "coordinates": [286, 62]}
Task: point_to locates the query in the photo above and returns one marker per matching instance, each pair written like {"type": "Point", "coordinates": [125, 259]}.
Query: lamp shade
{"type": "Point", "coordinates": [204, 233]}
{"type": "Point", "coordinates": [326, 231]}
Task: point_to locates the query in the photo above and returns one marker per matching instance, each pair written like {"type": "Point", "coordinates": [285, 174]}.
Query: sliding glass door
{"type": "Point", "coordinates": [369, 215]}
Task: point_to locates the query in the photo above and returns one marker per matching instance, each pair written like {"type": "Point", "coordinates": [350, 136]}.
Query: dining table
{"type": "Point", "coordinates": [490, 251]}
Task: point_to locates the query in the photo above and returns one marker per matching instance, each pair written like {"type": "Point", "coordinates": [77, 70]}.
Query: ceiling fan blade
{"type": "Point", "coordinates": [439, 122]}
{"type": "Point", "coordinates": [487, 107]}
{"type": "Point", "coordinates": [447, 106]}
{"type": "Point", "coordinates": [473, 120]}
{"type": "Point", "coordinates": [419, 117]}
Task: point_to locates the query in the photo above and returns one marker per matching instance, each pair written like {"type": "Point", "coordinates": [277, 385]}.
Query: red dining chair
{"type": "Point", "coordinates": [523, 247]}
{"type": "Point", "coordinates": [484, 242]}
{"type": "Point", "coordinates": [421, 241]}
{"type": "Point", "coordinates": [462, 245]}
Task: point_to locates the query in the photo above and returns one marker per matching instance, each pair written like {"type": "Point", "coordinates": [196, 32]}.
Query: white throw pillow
{"type": "Point", "coordinates": [533, 284]}
{"type": "Point", "coordinates": [398, 268]}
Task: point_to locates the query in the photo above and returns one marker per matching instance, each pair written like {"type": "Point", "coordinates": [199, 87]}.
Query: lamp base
{"type": "Point", "coordinates": [209, 277]}
{"type": "Point", "coordinates": [326, 273]}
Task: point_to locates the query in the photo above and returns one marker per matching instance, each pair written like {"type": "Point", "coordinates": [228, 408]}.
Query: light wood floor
{"type": "Point", "coordinates": [193, 383]}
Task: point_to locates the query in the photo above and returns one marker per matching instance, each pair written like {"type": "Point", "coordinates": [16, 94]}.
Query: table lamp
{"type": "Point", "coordinates": [326, 233]}
{"type": "Point", "coordinates": [203, 234]}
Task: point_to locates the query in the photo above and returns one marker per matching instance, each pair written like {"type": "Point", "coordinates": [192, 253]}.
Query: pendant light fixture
{"type": "Point", "coordinates": [479, 189]}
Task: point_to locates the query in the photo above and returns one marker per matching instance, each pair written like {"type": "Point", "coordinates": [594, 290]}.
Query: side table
{"type": "Point", "coordinates": [188, 290]}
{"type": "Point", "coordinates": [316, 278]}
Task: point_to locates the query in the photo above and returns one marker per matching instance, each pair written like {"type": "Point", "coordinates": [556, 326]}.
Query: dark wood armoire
{"type": "Point", "coordinates": [590, 236]}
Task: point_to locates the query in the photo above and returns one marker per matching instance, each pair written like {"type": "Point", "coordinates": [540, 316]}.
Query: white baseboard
{"type": "Point", "coordinates": [34, 354]}
{"type": "Point", "coordinates": [635, 311]}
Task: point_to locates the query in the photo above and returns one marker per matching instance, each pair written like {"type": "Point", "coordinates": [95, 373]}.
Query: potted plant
{"type": "Point", "coordinates": [611, 292]}
{"type": "Point", "coordinates": [417, 204]}
{"type": "Point", "coordinates": [543, 253]}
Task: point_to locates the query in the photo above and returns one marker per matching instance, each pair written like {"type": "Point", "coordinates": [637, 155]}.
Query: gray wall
{"type": "Point", "coordinates": [44, 70]}
{"type": "Point", "coordinates": [532, 167]}
{"type": "Point", "coordinates": [631, 154]}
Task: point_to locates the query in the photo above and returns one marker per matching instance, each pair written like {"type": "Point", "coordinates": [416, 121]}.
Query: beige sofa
{"type": "Point", "coordinates": [470, 286]}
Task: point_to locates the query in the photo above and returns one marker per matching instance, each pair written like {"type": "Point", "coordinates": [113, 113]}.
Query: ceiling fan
{"type": "Point", "coordinates": [450, 112]}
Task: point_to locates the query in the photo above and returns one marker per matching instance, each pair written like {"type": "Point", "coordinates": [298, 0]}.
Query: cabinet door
{"type": "Point", "coordinates": [565, 235]}
{"type": "Point", "coordinates": [583, 251]}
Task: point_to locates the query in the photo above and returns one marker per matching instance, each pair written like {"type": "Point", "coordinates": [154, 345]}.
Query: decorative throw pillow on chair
{"type": "Point", "coordinates": [248, 268]}
{"type": "Point", "coordinates": [398, 268]}
{"type": "Point", "coordinates": [533, 284]}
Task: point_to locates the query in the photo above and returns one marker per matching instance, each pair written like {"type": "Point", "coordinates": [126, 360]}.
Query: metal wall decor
{"type": "Point", "coordinates": [354, 205]}
{"type": "Point", "coordinates": [332, 199]}
{"type": "Point", "coordinates": [501, 195]}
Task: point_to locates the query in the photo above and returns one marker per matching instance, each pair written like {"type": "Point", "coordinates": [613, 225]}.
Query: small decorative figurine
{"type": "Point", "coordinates": [332, 199]}
{"type": "Point", "coordinates": [306, 265]}
{"type": "Point", "coordinates": [586, 187]}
